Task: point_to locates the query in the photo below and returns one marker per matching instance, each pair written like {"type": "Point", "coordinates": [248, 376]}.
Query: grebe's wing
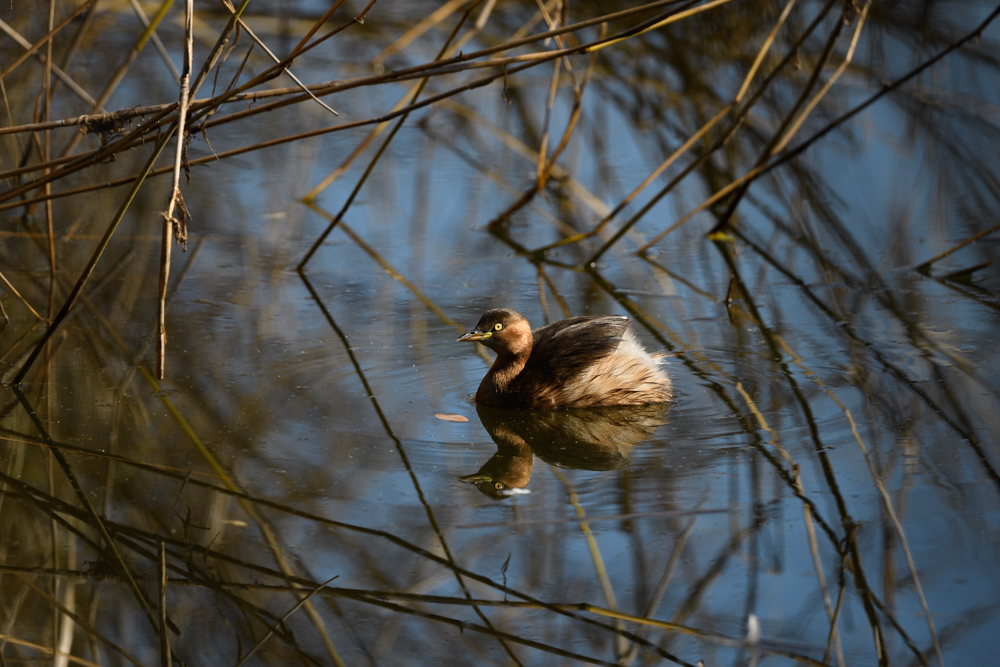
{"type": "Point", "coordinates": [563, 350]}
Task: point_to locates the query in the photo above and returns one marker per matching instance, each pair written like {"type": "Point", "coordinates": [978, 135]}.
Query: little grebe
{"type": "Point", "coordinates": [581, 362]}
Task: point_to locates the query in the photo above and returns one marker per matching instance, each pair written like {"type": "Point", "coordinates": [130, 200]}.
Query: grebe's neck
{"type": "Point", "coordinates": [501, 375]}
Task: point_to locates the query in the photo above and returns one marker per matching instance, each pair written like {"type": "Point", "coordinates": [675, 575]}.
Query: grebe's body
{"type": "Point", "coordinates": [576, 363]}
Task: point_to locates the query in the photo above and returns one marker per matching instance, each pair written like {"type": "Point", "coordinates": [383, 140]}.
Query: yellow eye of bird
{"type": "Point", "coordinates": [497, 326]}
{"type": "Point", "coordinates": [498, 485]}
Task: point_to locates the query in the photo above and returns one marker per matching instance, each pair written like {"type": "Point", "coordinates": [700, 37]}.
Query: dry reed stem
{"type": "Point", "coordinates": [73, 85]}
{"type": "Point", "coordinates": [715, 638]}
{"type": "Point", "coordinates": [540, 170]}
{"type": "Point", "coordinates": [121, 530]}
{"type": "Point", "coordinates": [894, 369]}
{"type": "Point", "coordinates": [849, 525]}
{"type": "Point", "coordinates": [740, 184]}
{"type": "Point", "coordinates": [123, 69]}
{"type": "Point", "coordinates": [924, 267]}
{"type": "Point", "coordinates": [435, 18]}
{"type": "Point", "coordinates": [787, 128]}
{"type": "Point", "coordinates": [16, 345]}
{"type": "Point", "coordinates": [896, 524]}
{"type": "Point", "coordinates": [627, 516]}
{"type": "Point", "coordinates": [574, 118]}
{"type": "Point", "coordinates": [45, 39]}
{"type": "Point", "coordinates": [300, 47]}
{"type": "Point", "coordinates": [23, 438]}
{"type": "Point", "coordinates": [544, 275]}
{"type": "Point", "coordinates": [417, 72]}
{"type": "Point", "coordinates": [389, 269]}
{"type": "Point", "coordinates": [46, 152]}
{"type": "Point", "coordinates": [888, 506]}
{"type": "Point", "coordinates": [454, 64]}
{"type": "Point", "coordinates": [13, 290]}
{"type": "Point", "coordinates": [661, 587]}
{"type": "Point", "coordinates": [541, 293]}
{"type": "Point", "coordinates": [484, 15]}
{"type": "Point", "coordinates": [92, 264]}
{"type": "Point", "coordinates": [513, 638]}
{"type": "Point", "coordinates": [794, 128]}
{"type": "Point", "coordinates": [220, 45]}
{"type": "Point", "coordinates": [96, 520]}
{"type": "Point", "coordinates": [411, 94]}
{"type": "Point", "coordinates": [270, 54]}
{"type": "Point", "coordinates": [164, 630]}
{"type": "Point", "coordinates": [674, 276]}
{"type": "Point", "coordinates": [621, 647]}
{"type": "Point", "coordinates": [504, 185]}
{"type": "Point", "coordinates": [157, 42]}
{"type": "Point", "coordinates": [833, 613]}
{"type": "Point", "coordinates": [681, 150]}
{"type": "Point", "coordinates": [833, 642]}
{"type": "Point", "coordinates": [87, 159]}
{"type": "Point", "coordinates": [76, 618]}
{"type": "Point", "coordinates": [58, 510]}
{"type": "Point", "coordinates": [887, 88]}
{"type": "Point", "coordinates": [573, 186]}
{"type": "Point", "coordinates": [267, 532]}
{"type": "Point", "coordinates": [726, 135]}
{"type": "Point", "coordinates": [414, 94]}
{"type": "Point", "coordinates": [765, 47]}
{"type": "Point", "coordinates": [686, 146]}
{"type": "Point", "coordinates": [174, 220]}
{"type": "Point", "coordinates": [239, 94]}
{"type": "Point", "coordinates": [463, 626]}
{"type": "Point", "coordinates": [58, 641]}
{"type": "Point", "coordinates": [284, 618]}
{"type": "Point", "coordinates": [546, 164]}
{"type": "Point", "coordinates": [338, 218]}
{"type": "Point", "coordinates": [806, 515]}
{"type": "Point", "coordinates": [46, 651]}
{"type": "Point", "coordinates": [401, 451]}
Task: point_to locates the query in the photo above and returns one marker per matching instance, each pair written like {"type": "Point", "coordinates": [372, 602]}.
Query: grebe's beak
{"type": "Point", "coordinates": [474, 335]}
{"type": "Point", "coordinates": [477, 478]}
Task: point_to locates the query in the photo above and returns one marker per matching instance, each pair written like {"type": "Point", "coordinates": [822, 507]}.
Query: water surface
{"type": "Point", "coordinates": [823, 489]}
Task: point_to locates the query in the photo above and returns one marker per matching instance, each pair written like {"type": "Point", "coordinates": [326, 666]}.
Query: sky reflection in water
{"type": "Point", "coordinates": [821, 379]}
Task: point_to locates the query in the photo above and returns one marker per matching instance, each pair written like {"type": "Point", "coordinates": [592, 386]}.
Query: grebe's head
{"type": "Point", "coordinates": [502, 330]}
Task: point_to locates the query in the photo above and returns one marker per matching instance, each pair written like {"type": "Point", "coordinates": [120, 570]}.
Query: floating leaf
{"type": "Point", "coordinates": [452, 418]}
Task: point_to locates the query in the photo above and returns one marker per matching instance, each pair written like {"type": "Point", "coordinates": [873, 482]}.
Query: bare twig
{"type": "Point", "coordinates": [284, 618]}
{"type": "Point", "coordinates": [164, 629]}
{"type": "Point", "coordinates": [175, 217]}
{"type": "Point", "coordinates": [92, 264]}
{"type": "Point", "coordinates": [45, 39]}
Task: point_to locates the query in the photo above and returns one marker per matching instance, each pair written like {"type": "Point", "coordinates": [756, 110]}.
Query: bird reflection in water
{"type": "Point", "coordinates": [587, 439]}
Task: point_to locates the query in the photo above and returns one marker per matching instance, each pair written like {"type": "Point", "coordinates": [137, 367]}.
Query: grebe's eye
{"type": "Point", "coordinates": [497, 326]}
{"type": "Point", "coordinates": [498, 485]}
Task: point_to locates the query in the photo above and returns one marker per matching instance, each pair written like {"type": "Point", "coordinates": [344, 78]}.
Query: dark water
{"type": "Point", "coordinates": [823, 490]}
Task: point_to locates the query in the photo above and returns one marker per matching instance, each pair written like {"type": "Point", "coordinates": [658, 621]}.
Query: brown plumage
{"type": "Point", "coordinates": [576, 363]}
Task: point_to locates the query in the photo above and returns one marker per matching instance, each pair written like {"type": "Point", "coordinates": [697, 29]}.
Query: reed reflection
{"type": "Point", "coordinates": [587, 439]}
